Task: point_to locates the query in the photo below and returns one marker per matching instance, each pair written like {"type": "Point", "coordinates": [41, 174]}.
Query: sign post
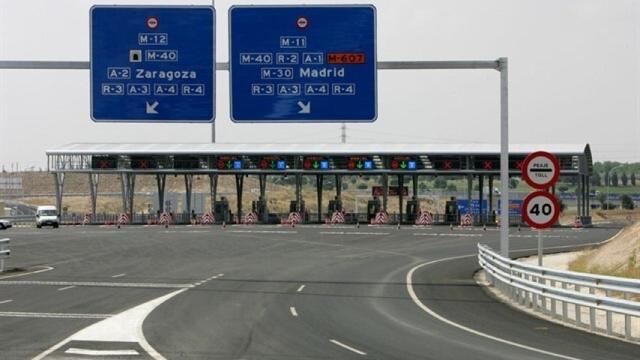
{"type": "Point", "coordinates": [152, 64]}
{"type": "Point", "coordinates": [540, 209]}
{"type": "Point", "coordinates": [303, 63]}
{"type": "Point", "coordinates": [4, 252]}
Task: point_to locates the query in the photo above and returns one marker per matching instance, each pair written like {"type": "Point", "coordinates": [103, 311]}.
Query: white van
{"type": "Point", "coordinates": [47, 215]}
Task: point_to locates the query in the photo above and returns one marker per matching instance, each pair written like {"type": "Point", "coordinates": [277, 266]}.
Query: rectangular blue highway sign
{"type": "Point", "coordinates": [152, 63]}
{"type": "Point", "coordinates": [303, 63]}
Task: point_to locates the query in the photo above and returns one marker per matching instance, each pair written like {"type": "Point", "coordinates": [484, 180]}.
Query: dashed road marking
{"type": "Point", "coordinates": [118, 275]}
{"type": "Point", "coordinates": [5, 301]}
{"type": "Point", "coordinates": [293, 311]}
{"type": "Point", "coordinates": [359, 352]}
{"type": "Point", "coordinates": [66, 288]}
{"type": "Point", "coordinates": [89, 352]}
{"type": "Point", "coordinates": [301, 288]}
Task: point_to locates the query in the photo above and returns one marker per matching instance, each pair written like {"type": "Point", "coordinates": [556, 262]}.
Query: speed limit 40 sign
{"type": "Point", "coordinates": [540, 210]}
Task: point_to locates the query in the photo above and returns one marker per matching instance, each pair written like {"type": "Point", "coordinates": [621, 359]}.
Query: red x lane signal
{"type": "Point", "coordinates": [447, 165]}
{"type": "Point", "coordinates": [519, 164]}
{"type": "Point", "coordinates": [487, 165]}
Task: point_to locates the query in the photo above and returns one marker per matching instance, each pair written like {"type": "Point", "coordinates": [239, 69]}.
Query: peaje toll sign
{"type": "Point", "coordinates": [540, 170]}
{"type": "Point", "coordinates": [540, 210]}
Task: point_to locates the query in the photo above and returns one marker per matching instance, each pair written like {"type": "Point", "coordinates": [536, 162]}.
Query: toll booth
{"type": "Point", "coordinates": [412, 208]}
{"type": "Point", "coordinates": [373, 207]}
{"type": "Point", "coordinates": [221, 210]}
{"type": "Point", "coordinates": [335, 205]}
{"type": "Point", "coordinates": [260, 207]}
{"type": "Point", "coordinates": [451, 213]}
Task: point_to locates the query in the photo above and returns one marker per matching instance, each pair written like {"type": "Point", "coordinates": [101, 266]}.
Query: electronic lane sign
{"type": "Point", "coordinates": [303, 63]}
{"type": "Point", "coordinates": [152, 64]}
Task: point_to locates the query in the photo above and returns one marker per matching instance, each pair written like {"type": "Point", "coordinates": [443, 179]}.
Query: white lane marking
{"type": "Point", "coordinates": [66, 288]}
{"type": "Point", "coordinates": [98, 284]}
{"type": "Point", "coordinates": [261, 232]}
{"type": "Point", "coordinates": [301, 288]}
{"type": "Point", "coordinates": [5, 301]}
{"type": "Point", "coordinates": [293, 311]}
{"type": "Point", "coordinates": [52, 315]}
{"type": "Point", "coordinates": [47, 268]}
{"type": "Point", "coordinates": [123, 327]}
{"type": "Point", "coordinates": [88, 352]}
{"type": "Point", "coordinates": [351, 233]}
{"type": "Point", "coordinates": [424, 307]}
{"type": "Point", "coordinates": [118, 276]}
{"type": "Point", "coordinates": [220, 275]}
{"type": "Point", "coordinates": [447, 234]}
{"type": "Point", "coordinates": [348, 347]}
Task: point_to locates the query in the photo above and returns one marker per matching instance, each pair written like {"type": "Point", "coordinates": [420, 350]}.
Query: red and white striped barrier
{"type": "Point", "coordinates": [207, 219]}
{"type": "Point", "coordinates": [381, 218]}
{"type": "Point", "coordinates": [577, 224]}
{"type": "Point", "coordinates": [425, 218]}
{"type": "Point", "coordinates": [337, 218]}
{"type": "Point", "coordinates": [165, 219]}
{"type": "Point", "coordinates": [123, 219]}
{"type": "Point", "coordinates": [466, 220]}
{"type": "Point", "coordinates": [251, 218]}
{"type": "Point", "coordinates": [87, 219]}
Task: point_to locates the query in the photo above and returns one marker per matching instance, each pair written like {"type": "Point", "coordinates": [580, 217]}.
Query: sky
{"type": "Point", "coordinates": [574, 77]}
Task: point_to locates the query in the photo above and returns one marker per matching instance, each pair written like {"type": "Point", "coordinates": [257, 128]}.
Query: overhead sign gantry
{"type": "Point", "coordinates": [152, 64]}
{"type": "Point", "coordinates": [303, 63]}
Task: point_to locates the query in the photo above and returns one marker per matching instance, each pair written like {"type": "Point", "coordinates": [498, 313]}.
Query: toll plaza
{"type": "Point", "coordinates": [478, 163]}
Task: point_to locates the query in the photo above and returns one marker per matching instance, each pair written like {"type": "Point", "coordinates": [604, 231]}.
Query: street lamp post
{"type": "Point", "coordinates": [609, 181]}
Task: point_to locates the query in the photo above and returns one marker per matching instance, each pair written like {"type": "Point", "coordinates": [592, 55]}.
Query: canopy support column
{"type": "Point", "coordinates": [239, 185]}
{"type": "Point", "coordinates": [93, 188]}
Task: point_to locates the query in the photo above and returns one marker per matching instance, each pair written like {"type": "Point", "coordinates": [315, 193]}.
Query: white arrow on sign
{"type": "Point", "coordinates": [304, 108]}
{"type": "Point", "coordinates": [151, 108]}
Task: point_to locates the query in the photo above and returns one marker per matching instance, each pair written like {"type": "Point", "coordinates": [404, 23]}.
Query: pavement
{"type": "Point", "coordinates": [270, 292]}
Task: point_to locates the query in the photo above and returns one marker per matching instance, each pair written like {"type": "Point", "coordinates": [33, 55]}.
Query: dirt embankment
{"type": "Point", "coordinates": [619, 257]}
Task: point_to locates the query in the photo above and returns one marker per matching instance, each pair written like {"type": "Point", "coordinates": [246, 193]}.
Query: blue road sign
{"type": "Point", "coordinates": [152, 64]}
{"type": "Point", "coordinates": [303, 63]}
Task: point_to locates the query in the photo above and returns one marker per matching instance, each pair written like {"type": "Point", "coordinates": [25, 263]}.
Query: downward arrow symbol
{"type": "Point", "coordinates": [304, 108]}
{"type": "Point", "coordinates": [151, 108]}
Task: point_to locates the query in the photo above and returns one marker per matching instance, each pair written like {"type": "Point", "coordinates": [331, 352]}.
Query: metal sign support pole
{"type": "Point", "coordinates": [539, 247]}
{"type": "Point", "coordinates": [504, 156]}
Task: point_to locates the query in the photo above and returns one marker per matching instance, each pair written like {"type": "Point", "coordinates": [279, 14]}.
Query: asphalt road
{"type": "Point", "coordinates": [273, 293]}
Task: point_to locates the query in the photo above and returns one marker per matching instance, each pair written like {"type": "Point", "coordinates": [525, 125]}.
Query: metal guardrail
{"type": "Point", "coordinates": [4, 252]}
{"type": "Point", "coordinates": [567, 295]}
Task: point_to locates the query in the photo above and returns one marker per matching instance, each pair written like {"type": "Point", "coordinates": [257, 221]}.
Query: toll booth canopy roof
{"type": "Point", "coordinates": [312, 149]}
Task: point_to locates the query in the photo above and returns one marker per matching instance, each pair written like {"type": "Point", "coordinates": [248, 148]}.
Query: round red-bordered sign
{"type": "Point", "coordinates": [540, 170]}
{"type": "Point", "coordinates": [540, 210]}
{"type": "Point", "coordinates": [302, 22]}
{"type": "Point", "coordinates": [152, 22]}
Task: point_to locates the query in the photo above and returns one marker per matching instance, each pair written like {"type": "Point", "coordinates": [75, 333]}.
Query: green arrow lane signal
{"type": "Point", "coordinates": [316, 164]}
{"type": "Point", "coordinates": [273, 164]}
{"type": "Point", "coordinates": [359, 165]}
{"type": "Point", "coordinates": [229, 164]}
{"type": "Point", "coordinates": [403, 165]}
